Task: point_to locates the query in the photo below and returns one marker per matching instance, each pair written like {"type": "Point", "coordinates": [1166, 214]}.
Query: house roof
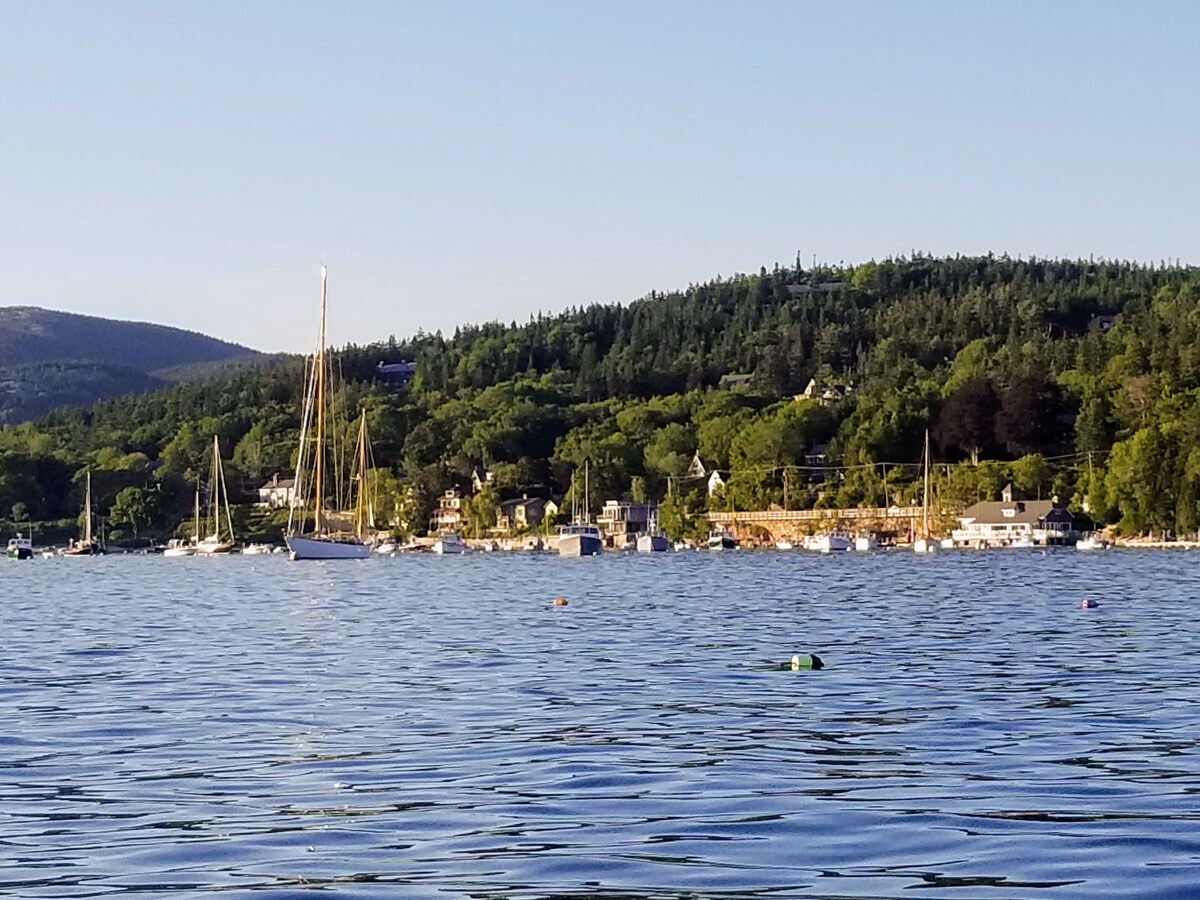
{"type": "Point", "coordinates": [1023, 512]}
{"type": "Point", "coordinates": [279, 483]}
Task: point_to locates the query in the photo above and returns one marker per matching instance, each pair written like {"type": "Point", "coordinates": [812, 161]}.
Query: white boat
{"type": "Point", "coordinates": [179, 547]}
{"type": "Point", "coordinates": [784, 545]}
{"type": "Point", "coordinates": [580, 538]}
{"type": "Point", "coordinates": [386, 548]}
{"type": "Point", "coordinates": [327, 539]}
{"type": "Point", "coordinates": [219, 538]}
{"type": "Point", "coordinates": [925, 544]}
{"type": "Point", "coordinates": [1091, 542]}
{"type": "Point", "coordinates": [864, 543]}
{"type": "Point", "coordinates": [832, 542]}
{"type": "Point", "coordinates": [680, 546]}
{"type": "Point", "coordinates": [654, 542]}
{"type": "Point", "coordinates": [449, 543]}
{"type": "Point", "coordinates": [720, 539]}
{"type": "Point", "coordinates": [1021, 544]}
{"type": "Point", "coordinates": [19, 547]}
{"type": "Point", "coordinates": [257, 550]}
{"type": "Point", "coordinates": [947, 544]}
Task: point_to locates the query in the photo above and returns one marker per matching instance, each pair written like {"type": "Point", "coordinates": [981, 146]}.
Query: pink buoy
{"type": "Point", "coordinates": [1089, 604]}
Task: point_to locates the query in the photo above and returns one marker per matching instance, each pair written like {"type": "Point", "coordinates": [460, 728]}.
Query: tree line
{"type": "Point", "coordinates": [1075, 378]}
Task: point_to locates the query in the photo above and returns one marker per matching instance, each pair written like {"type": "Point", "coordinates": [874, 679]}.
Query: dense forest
{"type": "Point", "coordinates": [802, 387]}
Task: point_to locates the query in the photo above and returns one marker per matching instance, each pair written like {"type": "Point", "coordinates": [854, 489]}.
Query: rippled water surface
{"type": "Point", "coordinates": [435, 726]}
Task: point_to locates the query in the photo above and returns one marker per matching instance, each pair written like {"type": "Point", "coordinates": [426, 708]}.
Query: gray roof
{"type": "Point", "coordinates": [1029, 512]}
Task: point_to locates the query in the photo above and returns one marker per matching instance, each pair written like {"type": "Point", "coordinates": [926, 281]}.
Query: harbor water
{"type": "Point", "coordinates": [437, 726]}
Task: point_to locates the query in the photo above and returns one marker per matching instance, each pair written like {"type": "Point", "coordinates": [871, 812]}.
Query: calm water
{"type": "Point", "coordinates": [434, 726]}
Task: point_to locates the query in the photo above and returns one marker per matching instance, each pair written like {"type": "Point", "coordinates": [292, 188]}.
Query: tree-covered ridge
{"type": "Point", "coordinates": [50, 359]}
{"type": "Point", "coordinates": [1073, 377]}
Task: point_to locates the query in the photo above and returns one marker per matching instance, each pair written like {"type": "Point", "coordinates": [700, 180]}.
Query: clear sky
{"type": "Point", "coordinates": [193, 163]}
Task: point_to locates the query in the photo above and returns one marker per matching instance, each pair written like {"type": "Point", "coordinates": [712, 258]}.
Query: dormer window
{"type": "Point", "coordinates": [1009, 512]}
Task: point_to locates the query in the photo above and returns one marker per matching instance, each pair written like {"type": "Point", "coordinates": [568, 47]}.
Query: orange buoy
{"type": "Point", "coordinates": [560, 601]}
{"type": "Point", "coordinates": [1089, 604]}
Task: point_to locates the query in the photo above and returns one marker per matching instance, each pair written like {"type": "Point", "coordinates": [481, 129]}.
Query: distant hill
{"type": "Point", "coordinates": [50, 359]}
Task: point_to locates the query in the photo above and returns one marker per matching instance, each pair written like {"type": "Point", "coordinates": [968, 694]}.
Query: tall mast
{"type": "Point", "coordinates": [925, 504]}
{"type": "Point", "coordinates": [587, 489]}
{"type": "Point", "coordinates": [319, 461]}
{"type": "Point", "coordinates": [196, 523]}
{"type": "Point", "coordinates": [361, 455]}
{"type": "Point", "coordinates": [87, 511]}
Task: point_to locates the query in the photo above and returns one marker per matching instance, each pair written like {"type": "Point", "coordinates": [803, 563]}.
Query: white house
{"type": "Point", "coordinates": [1012, 519]}
{"type": "Point", "coordinates": [715, 483]}
{"type": "Point", "coordinates": [277, 493]}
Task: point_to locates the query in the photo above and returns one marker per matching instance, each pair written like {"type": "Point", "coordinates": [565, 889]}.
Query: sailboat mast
{"type": "Point", "coordinates": [319, 460]}
{"type": "Point", "coordinates": [360, 504]}
{"type": "Point", "coordinates": [925, 503]}
{"type": "Point", "coordinates": [87, 511]}
{"type": "Point", "coordinates": [196, 522]}
{"type": "Point", "coordinates": [587, 490]}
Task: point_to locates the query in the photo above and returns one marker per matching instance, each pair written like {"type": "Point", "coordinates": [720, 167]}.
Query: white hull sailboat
{"type": "Point", "coordinates": [326, 540]}
{"type": "Point", "coordinates": [220, 539]}
{"type": "Point", "coordinates": [925, 544]}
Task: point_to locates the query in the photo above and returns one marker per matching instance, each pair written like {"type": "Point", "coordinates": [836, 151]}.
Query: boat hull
{"type": "Point", "coordinates": [448, 547]}
{"type": "Point", "coordinates": [20, 553]}
{"type": "Point", "coordinates": [579, 545]}
{"type": "Point", "coordinates": [321, 548]}
{"type": "Point", "coordinates": [925, 545]}
{"type": "Point", "coordinates": [179, 551]}
{"type": "Point", "coordinates": [213, 548]}
{"type": "Point", "coordinates": [652, 543]}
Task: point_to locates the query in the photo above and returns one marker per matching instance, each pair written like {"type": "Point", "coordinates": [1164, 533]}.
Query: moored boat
{"type": "Point", "coordinates": [830, 542]}
{"type": "Point", "coordinates": [179, 547]}
{"type": "Point", "coordinates": [655, 542]}
{"type": "Point", "coordinates": [1091, 542]}
{"type": "Point", "coordinates": [327, 539]}
{"type": "Point", "coordinates": [19, 547]}
{"type": "Point", "coordinates": [865, 543]}
{"type": "Point", "coordinates": [720, 539]}
{"type": "Point", "coordinates": [87, 545]}
{"type": "Point", "coordinates": [449, 543]}
{"type": "Point", "coordinates": [579, 540]}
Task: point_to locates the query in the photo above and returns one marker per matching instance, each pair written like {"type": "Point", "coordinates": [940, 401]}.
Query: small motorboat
{"type": "Point", "coordinates": [19, 547]}
{"type": "Point", "coordinates": [719, 539]}
{"type": "Point", "coordinates": [1091, 541]}
{"type": "Point", "coordinates": [449, 543]}
{"type": "Point", "coordinates": [653, 543]}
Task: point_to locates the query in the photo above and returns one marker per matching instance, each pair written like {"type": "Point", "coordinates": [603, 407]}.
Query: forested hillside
{"type": "Point", "coordinates": [50, 359]}
{"type": "Point", "coordinates": [1076, 378]}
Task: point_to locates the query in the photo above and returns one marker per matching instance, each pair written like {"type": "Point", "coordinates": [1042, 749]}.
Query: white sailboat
{"type": "Point", "coordinates": [925, 544]}
{"type": "Point", "coordinates": [220, 538]}
{"type": "Point", "coordinates": [327, 539]}
{"type": "Point", "coordinates": [183, 546]}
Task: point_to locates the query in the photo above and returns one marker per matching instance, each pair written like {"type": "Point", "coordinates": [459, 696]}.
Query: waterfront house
{"type": "Point", "coordinates": [1015, 520]}
{"type": "Point", "coordinates": [525, 514]}
{"type": "Point", "coordinates": [696, 467]}
{"type": "Point", "coordinates": [277, 493]}
{"type": "Point", "coordinates": [448, 516]}
{"type": "Point", "coordinates": [621, 520]}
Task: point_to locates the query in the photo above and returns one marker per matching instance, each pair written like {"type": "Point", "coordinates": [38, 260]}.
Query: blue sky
{"type": "Point", "coordinates": [193, 164]}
